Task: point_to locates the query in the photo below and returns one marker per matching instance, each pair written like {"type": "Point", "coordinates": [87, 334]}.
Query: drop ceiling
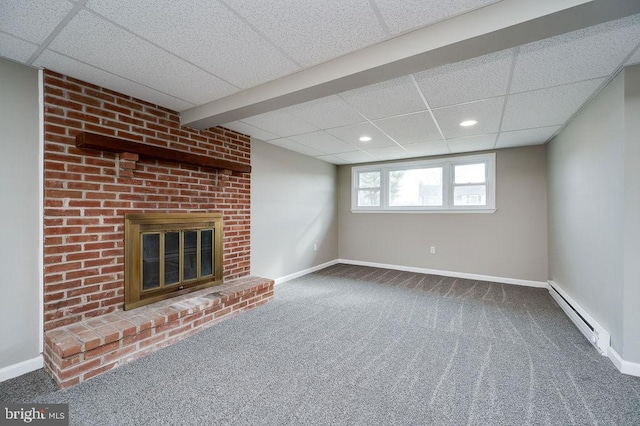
{"type": "Point", "coordinates": [313, 76]}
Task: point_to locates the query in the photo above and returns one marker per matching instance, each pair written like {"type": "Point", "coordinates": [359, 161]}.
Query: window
{"type": "Point", "coordinates": [470, 184]}
{"type": "Point", "coordinates": [454, 184]}
{"type": "Point", "coordinates": [369, 189]}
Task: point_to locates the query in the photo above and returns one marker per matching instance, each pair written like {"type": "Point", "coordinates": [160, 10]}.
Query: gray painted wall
{"type": "Point", "coordinates": [510, 243]}
{"type": "Point", "coordinates": [586, 206]}
{"type": "Point", "coordinates": [293, 207]}
{"type": "Point", "coordinates": [594, 206]}
{"type": "Point", "coordinates": [19, 216]}
{"type": "Point", "coordinates": [631, 299]}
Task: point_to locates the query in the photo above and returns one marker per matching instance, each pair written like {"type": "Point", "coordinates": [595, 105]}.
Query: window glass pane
{"type": "Point", "coordinates": [150, 261]}
{"type": "Point", "coordinates": [426, 185]}
{"type": "Point", "coordinates": [470, 173]}
{"type": "Point", "coordinates": [171, 257]}
{"type": "Point", "coordinates": [415, 187]}
{"type": "Point", "coordinates": [368, 197]}
{"type": "Point", "coordinates": [369, 180]}
{"type": "Point", "coordinates": [190, 259]}
{"type": "Point", "coordinates": [206, 252]}
{"type": "Point", "coordinates": [470, 195]}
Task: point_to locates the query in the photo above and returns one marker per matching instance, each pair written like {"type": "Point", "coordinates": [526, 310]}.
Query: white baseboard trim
{"type": "Point", "coordinates": [304, 272]}
{"type": "Point", "coordinates": [21, 368]}
{"type": "Point", "coordinates": [503, 280]}
{"type": "Point", "coordinates": [592, 330]}
{"type": "Point", "coordinates": [625, 367]}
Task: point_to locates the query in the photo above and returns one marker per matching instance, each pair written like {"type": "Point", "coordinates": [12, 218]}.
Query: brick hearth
{"type": "Point", "coordinates": [77, 352]}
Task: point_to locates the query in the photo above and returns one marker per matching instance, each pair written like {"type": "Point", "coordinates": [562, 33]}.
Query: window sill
{"type": "Point", "coordinates": [446, 211]}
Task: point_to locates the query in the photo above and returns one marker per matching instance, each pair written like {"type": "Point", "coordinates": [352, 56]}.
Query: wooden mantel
{"type": "Point", "coordinates": [88, 140]}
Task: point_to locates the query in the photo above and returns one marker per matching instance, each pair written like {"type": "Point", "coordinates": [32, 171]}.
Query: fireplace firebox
{"type": "Point", "coordinates": [169, 254]}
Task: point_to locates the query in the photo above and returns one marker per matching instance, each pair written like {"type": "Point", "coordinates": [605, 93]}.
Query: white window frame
{"type": "Point", "coordinates": [448, 184]}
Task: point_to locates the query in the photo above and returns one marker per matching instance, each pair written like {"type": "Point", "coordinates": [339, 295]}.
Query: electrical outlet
{"type": "Point", "coordinates": [433, 250]}
{"type": "Point", "coordinates": [315, 247]}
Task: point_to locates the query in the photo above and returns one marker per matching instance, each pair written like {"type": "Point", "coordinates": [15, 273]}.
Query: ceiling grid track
{"type": "Point", "coordinates": [127, 79]}
{"type": "Point", "coordinates": [368, 120]}
{"type": "Point", "coordinates": [381, 20]}
{"type": "Point", "coordinates": [508, 92]}
{"type": "Point", "coordinates": [426, 104]}
{"type": "Point", "coordinates": [104, 18]}
{"type": "Point", "coordinates": [53, 34]}
{"type": "Point", "coordinates": [260, 33]}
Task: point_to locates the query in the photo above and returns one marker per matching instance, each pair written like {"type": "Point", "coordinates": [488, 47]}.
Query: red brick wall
{"type": "Point", "coordinates": [87, 193]}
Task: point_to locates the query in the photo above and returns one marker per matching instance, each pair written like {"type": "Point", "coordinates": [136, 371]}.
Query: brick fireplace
{"type": "Point", "coordinates": [86, 196]}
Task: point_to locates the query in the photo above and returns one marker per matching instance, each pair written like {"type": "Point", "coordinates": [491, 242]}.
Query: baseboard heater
{"type": "Point", "coordinates": [593, 331]}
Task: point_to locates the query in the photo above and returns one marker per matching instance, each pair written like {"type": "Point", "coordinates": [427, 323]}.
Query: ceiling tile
{"type": "Point", "coordinates": [427, 148]}
{"type": "Point", "coordinates": [16, 49]}
{"type": "Point", "coordinates": [635, 58]}
{"type": "Point", "coordinates": [331, 27]}
{"type": "Point", "coordinates": [487, 113]}
{"type": "Point", "coordinates": [388, 153]}
{"type": "Point", "coordinates": [478, 78]}
{"type": "Point", "coordinates": [327, 112]}
{"type": "Point", "coordinates": [351, 135]}
{"type": "Point", "coordinates": [356, 157]}
{"type": "Point", "coordinates": [408, 15]}
{"type": "Point", "coordinates": [209, 35]}
{"type": "Point", "coordinates": [525, 137]}
{"type": "Point", "coordinates": [323, 142]}
{"type": "Point", "coordinates": [67, 66]}
{"type": "Point", "coordinates": [473, 143]}
{"type": "Point", "coordinates": [212, 47]}
{"type": "Point", "coordinates": [280, 123]}
{"type": "Point", "coordinates": [386, 99]}
{"type": "Point", "coordinates": [410, 128]}
{"type": "Point", "coordinates": [32, 20]}
{"type": "Point", "coordinates": [250, 130]}
{"type": "Point", "coordinates": [95, 41]}
{"type": "Point", "coordinates": [580, 55]}
{"type": "Point", "coordinates": [295, 146]}
{"type": "Point", "coordinates": [547, 107]}
{"type": "Point", "coordinates": [331, 159]}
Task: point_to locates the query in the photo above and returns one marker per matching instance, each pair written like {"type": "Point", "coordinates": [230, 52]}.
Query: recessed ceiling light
{"type": "Point", "coordinates": [365, 138]}
{"type": "Point", "coordinates": [468, 123]}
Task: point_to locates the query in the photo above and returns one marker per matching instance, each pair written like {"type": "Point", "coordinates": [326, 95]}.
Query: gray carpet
{"type": "Point", "coordinates": [352, 345]}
